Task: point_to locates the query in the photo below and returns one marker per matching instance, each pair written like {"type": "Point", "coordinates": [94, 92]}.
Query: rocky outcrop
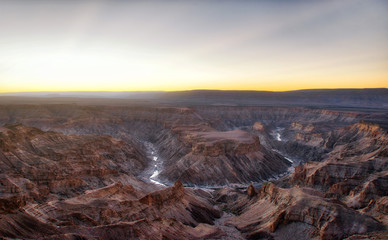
{"type": "Point", "coordinates": [305, 210]}
{"type": "Point", "coordinates": [117, 211]}
{"type": "Point", "coordinates": [218, 158]}
{"type": "Point", "coordinates": [251, 191]}
{"type": "Point", "coordinates": [355, 172]}
{"type": "Point", "coordinates": [22, 225]}
{"type": "Point", "coordinates": [357, 154]}
{"type": "Point", "coordinates": [64, 164]}
{"type": "Point", "coordinates": [120, 211]}
{"type": "Point", "coordinates": [258, 126]}
{"type": "Point", "coordinates": [214, 143]}
{"type": "Point", "coordinates": [166, 196]}
{"type": "Point", "coordinates": [144, 229]}
{"type": "Point", "coordinates": [11, 202]}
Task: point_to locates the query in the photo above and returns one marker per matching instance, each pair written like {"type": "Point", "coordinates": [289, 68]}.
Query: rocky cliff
{"type": "Point", "coordinates": [35, 164]}
{"type": "Point", "coordinates": [298, 213]}
{"type": "Point", "coordinates": [218, 157]}
{"type": "Point", "coordinates": [74, 172]}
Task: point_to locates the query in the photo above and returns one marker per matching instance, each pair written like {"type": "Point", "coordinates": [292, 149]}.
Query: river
{"type": "Point", "coordinates": [152, 172]}
{"type": "Point", "coordinates": [277, 134]}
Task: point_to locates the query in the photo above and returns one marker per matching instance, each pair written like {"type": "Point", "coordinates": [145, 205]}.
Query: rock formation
{"type": "Point", "coordinates": [77, 172]}
{"type": "Point", "coordinates": [302, 212]}
{"type": "Point", "coordinates": [220, 157]}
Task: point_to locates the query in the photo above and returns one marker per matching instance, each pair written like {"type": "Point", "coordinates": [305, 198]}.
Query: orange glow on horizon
{"type": "Point", "coordinates": [171, 46]}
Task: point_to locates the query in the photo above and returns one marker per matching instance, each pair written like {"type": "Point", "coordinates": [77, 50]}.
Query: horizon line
{"type": "Point", "coordinates": [187, 90]}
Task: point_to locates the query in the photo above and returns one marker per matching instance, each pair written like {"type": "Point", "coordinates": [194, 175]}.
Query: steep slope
{"type": "Point", "coordinates": [297, 213]}
{"type": "Point", "coordinates": [359, 157]}
{"type": "Point", "coordinates": [213, 157]}
{"type": "Point", "coordinates": [344, 195]}
{"type": "Point", "coordinates": [37, 163]}
{"type": "Point", "coordinates": [117, 211]}
{"type": "Point", "coordinates": [57, 186]}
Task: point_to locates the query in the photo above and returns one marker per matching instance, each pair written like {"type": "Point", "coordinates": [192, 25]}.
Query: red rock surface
{"type": "Point", "coordinates": [356, 171]}
{"type": "Point", "coordinates": [57, 186]}
{"type": "Point", "coordinates": [37, 164]}
{"type": "Point", "coordinates": [79, 179]}
{"type": "Point", "coordinates": [218, 157]}
{"type": "Point", "coordinates": [276, 209]}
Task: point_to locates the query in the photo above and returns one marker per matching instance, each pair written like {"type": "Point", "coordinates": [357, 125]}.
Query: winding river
{"type": "Point", "coordinates": [154, 169]}
{"type": "Point", "coordinates": [278, 137]}
{"type": "Point", "coordinates": [277, 134]}
{"type": "Point", "coordinates": [152, 172]}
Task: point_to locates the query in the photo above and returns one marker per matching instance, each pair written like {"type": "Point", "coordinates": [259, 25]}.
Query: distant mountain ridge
{"type": "Point", "coordinates": [87, 94]}
{"type": "Point", "coordinates": [365, 98]}
{"type": "Point", "coordinates": [377, 97]}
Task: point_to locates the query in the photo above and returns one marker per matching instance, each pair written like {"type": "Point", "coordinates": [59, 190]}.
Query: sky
{"type": "Point", "coordinates": [115, 45]}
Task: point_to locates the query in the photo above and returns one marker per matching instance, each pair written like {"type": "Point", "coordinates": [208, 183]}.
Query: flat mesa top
{"type": "Point", "coordinates": [234, 135]}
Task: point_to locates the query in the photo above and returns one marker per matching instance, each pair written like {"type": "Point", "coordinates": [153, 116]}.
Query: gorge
{"type": "Point", "coordinates": [192, 170]}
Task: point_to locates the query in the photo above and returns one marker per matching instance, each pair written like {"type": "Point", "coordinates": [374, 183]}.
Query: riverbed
{"type": "Point", "coordinates": [152, 172]}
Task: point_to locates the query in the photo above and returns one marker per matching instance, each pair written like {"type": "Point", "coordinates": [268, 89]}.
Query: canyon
{"type": "Point", "coordinates": [183, 166]}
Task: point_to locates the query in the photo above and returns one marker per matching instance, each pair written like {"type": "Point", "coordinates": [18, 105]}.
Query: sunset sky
{"type": "Point", "coordinates": [181, 45]}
